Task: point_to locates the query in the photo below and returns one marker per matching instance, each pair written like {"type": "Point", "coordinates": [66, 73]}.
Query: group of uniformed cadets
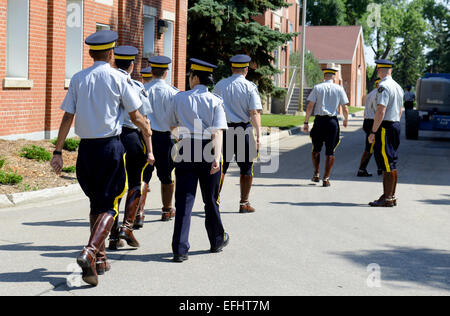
{"type": "Point", "coordinates": [125, 129]}
{"type": "Point", "coordinates": [381, 125]}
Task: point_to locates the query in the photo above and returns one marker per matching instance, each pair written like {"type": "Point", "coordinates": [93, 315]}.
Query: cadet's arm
{"type": "Point", "coordinates": [217, 139]}
{"type": "Point", "coordinates": [255, 118]}
{"type": "Point", "coordinates": [345, 112]}
{"type": "Point", "coordinates": [308, 114]}
{"type": "Point", "coordinates": [379, 116]}
{"type": "Point", "coordinates": [144, 125]}
{"type": "Point", "coordinates": [66, 124]}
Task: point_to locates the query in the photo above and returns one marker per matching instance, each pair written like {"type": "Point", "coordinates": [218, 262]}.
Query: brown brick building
{"type": "Point", "coordinates": [42, 46]}
{"type": "Point", "coordinates": [344, 46]}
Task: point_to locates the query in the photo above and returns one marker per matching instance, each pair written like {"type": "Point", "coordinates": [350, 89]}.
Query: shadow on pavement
{"type": "Point", "coordinates": [422, 266]}
{"type": "Point", "coordinates": [63, 223]}
{"type": "Point", "coordinates": [332, 204]}
{"type": "Point", "coordinates": [439, 201]}
{"type": "Point", "coordinates": [37, 275]}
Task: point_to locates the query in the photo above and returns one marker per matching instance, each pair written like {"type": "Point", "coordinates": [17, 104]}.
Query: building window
{"type": "Point", "coordinates": [102, 27]}
{"type": "Point", "coordinates": [74, 37]}
{"type": "Point", "coordinates": [149, 36]}
{"type": "Point", "coordinates": [17, 39]}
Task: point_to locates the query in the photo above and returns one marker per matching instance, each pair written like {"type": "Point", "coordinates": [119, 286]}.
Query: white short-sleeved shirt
{"type": "Point", "coordinates": [371, 105]}
{"type": "Point", "coordinates": [160, 95]}
{"type": "Point", "coordinates": [145, 109]}
{"type": "Point", "coordinates": [98, 96]}
{"type": "Point", "coordinates": [198, 113]}
{"type": "Point", "coordinates": [390, 95]}
{"type": "Point", "coordinates": [327, 97]}
{"type": "Point", "coordinates": [240, 96]}
{"type": "Point", "coordinates": [409, 96]}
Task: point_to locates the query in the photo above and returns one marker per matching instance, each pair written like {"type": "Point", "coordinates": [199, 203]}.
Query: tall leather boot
{"type": "Point", "coordinates": [246, 185]}
{"type": "Point", "coordinates": [88, 257]}
{"type": "Point", "coordinates": [387, 199]}
{"type": "Point", "coordinates": [329, 162]}
{"type": "Point", "coordinates": [140, 216]}
{"type": "Point", "coordinates": [114, 241]}
{"type": "Point", "coordinates": [168, 212]}
{"type": "Point", "coordinates": [316, 165]}
{"type": "Point", "coordinates": [362, 172]}
{"type": "Point", "coordinates": [131, 207]}
{"type": "Point", "coordinates": [101, 264]}
{"type": "Point", "coordinates": [395, 174]}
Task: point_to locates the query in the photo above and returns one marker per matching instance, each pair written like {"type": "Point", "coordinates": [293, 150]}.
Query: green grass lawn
{"type": "Point", "coordinates": [354, 109]}
{"type": "Point", "coordinates": [282, 121]}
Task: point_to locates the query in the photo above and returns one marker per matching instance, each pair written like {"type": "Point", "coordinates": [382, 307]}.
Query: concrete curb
{"type": "Point", "coordinates": [11, 200]}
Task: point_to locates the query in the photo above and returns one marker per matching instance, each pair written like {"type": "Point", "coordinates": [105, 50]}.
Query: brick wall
{"type": "Point", "coordinates": [35, 112]}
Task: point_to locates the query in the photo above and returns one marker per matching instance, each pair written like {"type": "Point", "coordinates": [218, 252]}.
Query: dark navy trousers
{"type": "Point", "coordinates": [188, 175]}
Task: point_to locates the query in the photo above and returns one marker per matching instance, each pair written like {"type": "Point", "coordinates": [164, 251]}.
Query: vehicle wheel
{"type": "Point", "coordinates": [412, 124]}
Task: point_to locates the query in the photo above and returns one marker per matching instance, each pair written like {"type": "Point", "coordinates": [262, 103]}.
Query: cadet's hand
{"type": "Point", "coordinates": [150, 159]}
{"type": "Point", "coordinates": [306, 128]}
{"type": "Point", "coordinates": [215, 167]}
{"type": "Point", "coordinates": [57, 164]}
{"type": "Point", "coordinates": [371, 138]}
{"type": "Point", "coordinates": [345, 123]}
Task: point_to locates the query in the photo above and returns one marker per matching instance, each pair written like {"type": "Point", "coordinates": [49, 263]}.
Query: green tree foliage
{"type": "Point", "coordinates": [313, 72]}
{"type": "Point", "coordinates": [325, 12]}
{"type": "Point", "coordinates": [409, 58]}
{"type": "Point", "coordinates": [219, 29]}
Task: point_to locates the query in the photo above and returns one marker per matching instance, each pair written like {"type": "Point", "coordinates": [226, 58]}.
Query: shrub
{"type": "Point", "coordinates": [70, 169]}
{"type": "Point", "coordinates": [36, 153]}
{"type": "Point", "coordinates": [279, 93]}
{"type": "Point", "coordinates": [70, 144]}
{"type": "Point", "coordinates": [10, 178]}
{"type": "Point", "coordinates": [2, 162]}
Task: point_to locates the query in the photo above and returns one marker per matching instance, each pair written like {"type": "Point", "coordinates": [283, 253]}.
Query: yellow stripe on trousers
{"type": "Point", "coordinates": [116, 200]}
{"type": "Point", "coordinates": [383, 149]}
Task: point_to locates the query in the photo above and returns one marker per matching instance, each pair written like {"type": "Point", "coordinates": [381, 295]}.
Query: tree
{"type": "Point", "coordinates": [325, 12]}
{"type": "Point", "coordinates": [219, 29]}
{"type": "Point", "coordinates": [313, 72]}
{"type": "Point", "coordinates": [409, 58]}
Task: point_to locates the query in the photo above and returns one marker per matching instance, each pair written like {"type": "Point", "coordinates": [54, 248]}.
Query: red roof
{"type": "Point", "coordinates": [333, 43]}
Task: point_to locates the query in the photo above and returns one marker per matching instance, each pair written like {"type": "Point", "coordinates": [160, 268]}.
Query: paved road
{"type": "Point", "coordinates": [303, 240]}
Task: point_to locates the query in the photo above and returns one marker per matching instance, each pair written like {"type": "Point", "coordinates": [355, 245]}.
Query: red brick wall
{"type": "Point", "coordinates": [37, 109]}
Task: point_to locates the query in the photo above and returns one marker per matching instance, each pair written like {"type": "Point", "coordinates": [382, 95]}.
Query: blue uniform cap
{"type": "Point", "coordinates": [200, 65]}
{"type": "Point", "coordinates": [125, 53]}
{"type": "Point", "coordinates": [102, 40]}
{"type": "Point", "coordinates": [160, 62]}
{"type": "Point", "coordinates": [384, 63]}
{"type": "Point", "coordinates": [147, 72]}
{"type": "Point", "coordinates": [240, 61]}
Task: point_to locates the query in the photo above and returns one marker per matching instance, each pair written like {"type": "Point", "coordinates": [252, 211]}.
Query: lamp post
{"type": "Point", "coordinates": [302, 73]}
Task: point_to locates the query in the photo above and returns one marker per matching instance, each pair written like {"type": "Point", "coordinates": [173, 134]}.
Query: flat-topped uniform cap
{"type": "Point", "coordinates": [125, 53]}
{"type": "Point", "coordinates": [200, 65]}
{"type": "Point", "coordinates": [161, 62]}
{"type": "Point", "coordinates": [147, 72]}
{"type": "Point", "coordinates": [331, 69]}
{"type": "Point", "coordinates": [240, 61]}
{"type": "Point", "coordinates": [102, 40]}
{"type": "Point", "coordinates": [384, 63]}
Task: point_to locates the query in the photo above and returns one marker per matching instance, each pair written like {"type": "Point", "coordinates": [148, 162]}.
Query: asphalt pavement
{"type": "Point", "coordinates": [303, 240]}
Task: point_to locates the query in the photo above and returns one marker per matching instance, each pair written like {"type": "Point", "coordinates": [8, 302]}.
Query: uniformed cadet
{"type": "Point", "coordinates": [138, 149]}
{"type": "Point", "coordinates": [242, 107]}
{"type": "Point", "coordinates": [97, 98]}
{"type": "Point", "coordinates": [386, 131]}
{"type": "Point", "coordinates": [200, 117]}
{"type": "Point", "coordinates": [147, 77]}
{"type": "Point", "coordinates": [160, 95]}
{"type": "Point", "coordinates": [369, 113]}
{"type": "Point", "coordinates": [324, 102]}
{"type": "Point", "coordinates": [409, 98]}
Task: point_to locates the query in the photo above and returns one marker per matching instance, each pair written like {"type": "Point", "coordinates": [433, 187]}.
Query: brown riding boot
{"type": "Point", "coordinates": [168, 212]}
{"type": "Point", "coordinates": [140, 216]}
{"type": "Point", "coordinates": [362, 172]}
{"type": "Point", "coordinates": [131, 207]}
{"type": "Point", "coordinates": [101, 264]}
{"type": "Point", "coordinates": [88, 257]}
{"type": "Point", "coordinates": [246, 185]}
{"type": "Point", "coordinates": [316, 164]}
{"type": "Point", "coordinates": [387, 199]}
{"type": "Point", "coordinates": [114, 242]}
{"type": "Point", "coordinates": [329, 162]}
{"type": "Point", "coordinates": [395, 174]}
